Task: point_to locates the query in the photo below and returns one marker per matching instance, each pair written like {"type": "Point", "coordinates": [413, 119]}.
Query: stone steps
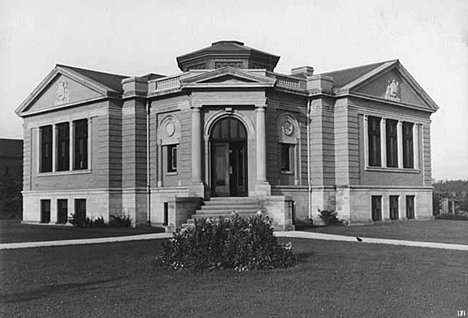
{"type": "Point", "coordinates": [223, 207]}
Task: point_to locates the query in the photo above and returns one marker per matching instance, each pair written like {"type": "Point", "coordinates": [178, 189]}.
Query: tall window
{"type": "Point", "coordinates": [392, 143]}
{"type": "Point", "coordinates": [63, 147]}
{"type": "Point", "coordinates": [374, 141]}
{"type": "Point", "coordinates": [410, 207]}
{"type": "Point", "coordinates": [45, 211]}
{"type": "Point", "coordinates": [394, 207]}
{"type": "Point", "coordinates": [46, 149]}
{"type": "Point", "coordinates": [377, 207]}
{"type": "Point", "coordinates": [286, 157]}
{"type": "Point", "coordinates": [80, 210]}
{"type": "Point", "coordinates": [172, 158]}
{"type": "Point", "coordinates": [81, 144]}
{"type": "Point", "coordinates": [408, 158]}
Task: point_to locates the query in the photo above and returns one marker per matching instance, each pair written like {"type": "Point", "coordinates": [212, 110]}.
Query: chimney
{"type": "Point", "coordinates": [302, 71]}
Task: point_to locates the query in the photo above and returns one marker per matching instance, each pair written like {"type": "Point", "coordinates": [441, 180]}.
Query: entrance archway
{"type": "Point", "coordinates": [228, 158]}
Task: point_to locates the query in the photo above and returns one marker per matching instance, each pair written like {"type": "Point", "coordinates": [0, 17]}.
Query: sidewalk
{"type": "Point", "coordinates": [289, 234]}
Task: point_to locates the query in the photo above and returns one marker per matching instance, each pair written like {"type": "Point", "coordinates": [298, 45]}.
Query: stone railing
{"type": "Point", "coordinates": [165, 83]}
{"type": "Point", "coordinates": [290, 82]}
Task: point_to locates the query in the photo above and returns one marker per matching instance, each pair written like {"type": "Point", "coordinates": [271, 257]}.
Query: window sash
{"type": "Point", "coordinates": [46, 149]}
{"type": "Point", "coordinates": [392, 143]}
{"type": "Point", "coordinates": [172, 158]}
{"type": "Point", "coordinates": [63, 146]}
{"type": "Point", "coordinates": [81, 144]}
{"type": "Point", "coordinates": [374, 141]}
{"type": "Point", "coordinates": [408, 145]}
{"type": "Point", "coordinates": [286, 157]}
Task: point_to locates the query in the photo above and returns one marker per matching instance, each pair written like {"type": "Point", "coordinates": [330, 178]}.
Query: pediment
{"type": "Point", "coordinates": [228, 77]}
{"type": "Point", "coordinates": [60, 88]}
{"type": "Point", "coordinates": [394, 84]}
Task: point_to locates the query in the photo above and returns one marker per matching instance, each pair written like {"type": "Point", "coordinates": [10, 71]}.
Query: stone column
{"type": "Point", "coordinates": [54, 147]}
{"type": "Point", "coordinates": [197, 187]}
{"type": "Point", "coordinates": [263, 188]}
{"type": "Point", "coordinates": [72, 143]}
{"type": "Point", "coordinates": [89, 143]}
{"type": "Point", "coordinates": [159, 156]}
{"type": "Point", "coordinates": [261, 145]}
{"type": "Point", "coordinates": [366, 141]}
{"type": "Point", "coordinates": [416, 145]}
{"type": "Point", "coordinates": [196, 146]}
{"type": "Point", "coordinates": [383, 143]}
{"type": "Point", "coordinates": [400, 143]}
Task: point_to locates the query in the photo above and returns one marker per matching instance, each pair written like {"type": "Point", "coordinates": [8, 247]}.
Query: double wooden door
{"type": "Point", "coordinates": [229, 169]}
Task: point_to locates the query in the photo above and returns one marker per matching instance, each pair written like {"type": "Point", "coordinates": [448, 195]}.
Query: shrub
{"type": "Point", "coordinates": [235, 242]}
{"type": "Point", "coordinates": [330, 218]}
{"type": "Point", "coordinates": [79, 221]}
{"type": "Point", "coordinates": [120, 221]}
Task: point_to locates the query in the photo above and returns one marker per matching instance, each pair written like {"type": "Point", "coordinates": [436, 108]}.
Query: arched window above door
{"type": "Point", "coordinates": [229, 129]}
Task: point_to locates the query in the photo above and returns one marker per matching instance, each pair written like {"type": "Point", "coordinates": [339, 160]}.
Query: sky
{"type": "Point", "coordinates": [429, 37]}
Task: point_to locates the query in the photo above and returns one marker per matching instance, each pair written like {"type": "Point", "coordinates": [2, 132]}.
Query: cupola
{"type": "Point", "coordinates": [227, 53]}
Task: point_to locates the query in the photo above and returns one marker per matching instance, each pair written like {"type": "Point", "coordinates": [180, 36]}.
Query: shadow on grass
{"type": "Point", "coordinates": [304, 257]}
{"type": "Point", "coordinates": [52, 290]}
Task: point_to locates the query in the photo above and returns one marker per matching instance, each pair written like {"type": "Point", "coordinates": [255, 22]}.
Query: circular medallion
{"type": "Point", "coordinates": [170, 128]}
{"type": "Point", "coordinates": [288, 128]}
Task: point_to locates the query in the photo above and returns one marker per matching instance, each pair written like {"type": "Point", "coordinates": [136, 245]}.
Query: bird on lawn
{"type": "Point", "coordinates": [358, 239]}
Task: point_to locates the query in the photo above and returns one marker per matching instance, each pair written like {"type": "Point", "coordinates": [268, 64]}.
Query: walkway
{"type": "Point", "coordinates": [290, 234]}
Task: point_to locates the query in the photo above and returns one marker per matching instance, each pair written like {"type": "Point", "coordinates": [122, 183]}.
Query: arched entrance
{"type": "Point", "coordinates": [228, 158]}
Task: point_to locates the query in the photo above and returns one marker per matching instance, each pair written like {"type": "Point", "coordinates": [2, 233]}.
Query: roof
{"type": "Point", "coordinates": [347, 75]}
{"type": "Point", "coordinates": [150, 76]}
{"type": "Point", "coordinates": [227, 46]}
{"type": "Point", "coordinates": [110, 80]}
{"type": "Point", "coordinates": [227, 49]}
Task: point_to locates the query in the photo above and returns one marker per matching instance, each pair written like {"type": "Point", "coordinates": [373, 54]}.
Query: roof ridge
{"type": "Point", "coordinates": [90, 70]}
{"type": "Point", "coordinates": [358, 66]}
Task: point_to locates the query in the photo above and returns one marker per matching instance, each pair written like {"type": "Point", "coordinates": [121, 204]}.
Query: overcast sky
{"type": "Point", "coordinates": [137, 37]}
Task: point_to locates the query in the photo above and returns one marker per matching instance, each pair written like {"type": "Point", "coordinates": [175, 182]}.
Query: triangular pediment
{"type": "Point", "coordinates": [393, 83]}
{"type": "Point", "coordinates": [228, 77]}
{"type": "Point", "coordinates": [60, 88]}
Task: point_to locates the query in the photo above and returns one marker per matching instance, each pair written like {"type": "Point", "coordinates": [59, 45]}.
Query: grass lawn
{"type": "Point", "coordinates": [333, 279]}
{"type": "Point", "coordinates": [12, 231]}
{"type": "Point", "coordinates": [442, 231]}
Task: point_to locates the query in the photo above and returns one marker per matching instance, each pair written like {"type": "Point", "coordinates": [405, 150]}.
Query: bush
{"type": "Point", "coordinates": [78, 221]}
{"type": "Point", "coordinates": [235, 242]}
{"type": "Point", "coordinates": [458, 217]}
{"type": "Point", "coordinates": [330, 218]}
{"type": "Point", "coordinates": [120, 221]}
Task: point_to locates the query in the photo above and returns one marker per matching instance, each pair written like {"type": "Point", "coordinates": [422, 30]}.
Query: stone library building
{"type": "Point", "coordinates": [228, 133]}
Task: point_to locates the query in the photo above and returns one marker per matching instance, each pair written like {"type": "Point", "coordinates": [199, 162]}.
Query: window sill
{"type": "Point", "coordinates": [287, 172]}
{"type": "Point", "coordinates": [172, 173]}
{"type": "Point", "coordinates": [393, 170]}
{"type": "Point", "coordinates": [64, 173]}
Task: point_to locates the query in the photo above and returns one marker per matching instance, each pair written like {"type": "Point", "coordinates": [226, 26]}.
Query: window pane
{"type": "Point", "coordinates": [392, 143]}
{"type": "Point", "coordinates": [46, 149]}
{"type": "Point", "coordinates": [81, 144]}
{"type": "Point", "coordinates": [376, 207]}
{"type": "Point", "coordinates": [171, 158]}
{"type": "Point", "coordinates": [63, 146]}
{"type": "Point", "coordinates": [408, 159]}
{"type": "Point", "coordinates": [374, 141]}
{"type": "Point", "coordinates": [394, 207]}
{"type": "Point", "coordinates": [286, 160]}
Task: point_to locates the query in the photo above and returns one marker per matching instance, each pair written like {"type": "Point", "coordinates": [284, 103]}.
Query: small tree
{"type": "Point", "coordinates": [330, 218]}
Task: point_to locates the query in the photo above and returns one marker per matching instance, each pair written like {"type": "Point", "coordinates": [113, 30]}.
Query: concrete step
{"type": "Point", "coordinates": [210, 213]}
{"type": "Point", "coordinates": [232, 199]}
{"type": "Point", "coordinates": [224, 215]}
{"type": "Point", "coordinates": [230, 207]}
